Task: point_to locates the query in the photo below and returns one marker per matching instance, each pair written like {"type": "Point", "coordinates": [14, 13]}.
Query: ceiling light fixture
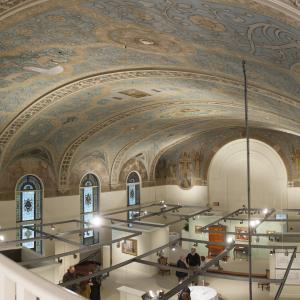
{"type": "Point", "coordinates": [146, 42]}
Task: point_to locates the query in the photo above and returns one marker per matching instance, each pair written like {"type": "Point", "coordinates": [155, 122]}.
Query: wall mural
{"type": "Point", "coordinates": [187, 164]}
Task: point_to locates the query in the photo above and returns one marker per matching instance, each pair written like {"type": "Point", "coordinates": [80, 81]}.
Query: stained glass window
{"type": "Point", "coordinates": [89, 205]}
{"type": "Point", "coordinates": [29, 194]}
{"type": "Point", "coordinates": [133, 189]}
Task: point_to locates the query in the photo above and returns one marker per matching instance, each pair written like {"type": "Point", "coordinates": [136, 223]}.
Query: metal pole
{"type": "Point", "coordinates": [248, 179]}
{"type": "Point", "coordinates": [277, 296]}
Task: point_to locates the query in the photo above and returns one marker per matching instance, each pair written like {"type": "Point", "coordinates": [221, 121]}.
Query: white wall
{"type": "Point", "coordinates": [145, 242]}
{"type": "Point", "coordinates": [197, 195]}
{"type": "Point", "coordinates": [228, 182]}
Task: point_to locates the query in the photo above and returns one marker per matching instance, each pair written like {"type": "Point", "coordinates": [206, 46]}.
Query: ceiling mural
{"type": "Point", "coordinates": [125, 77]}
{"type": "Point", "coordinates": [187, 163]}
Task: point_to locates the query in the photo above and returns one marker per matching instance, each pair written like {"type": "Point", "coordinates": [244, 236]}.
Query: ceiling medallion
{"type": "Point", "coordinates": [146, 42]}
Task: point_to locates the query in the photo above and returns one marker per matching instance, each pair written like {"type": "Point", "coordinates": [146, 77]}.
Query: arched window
{"type": "Point", "coordinates": [133, 195]}
{"type": "Point", "coordinates": [29, 198]}
{"type": "Point", "coordinates": [89, 205]}
{"type": "Point", "coordinates": [133, 189]}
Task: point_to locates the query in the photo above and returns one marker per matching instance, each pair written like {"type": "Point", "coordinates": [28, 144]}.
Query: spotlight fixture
{"type": "Point", "coordinates": [241, 222]}
{"type": "Point", "coordinates": [229, 240]}
{"type": "Point", "coordinates": [151, 295]}
{"type": "Point", "coordinates": [52, 227]}
{"type": "Point", "coordinates": [224, 220]}
{"type": "Point", "coordinates": [2, 238]}
{"type": "Point", "coordinates": [194, 218]}
{"type": "Point", "coordinates": [271, 252]}
{"type": "Point", "coordinates": [265, 211]}
{"type": "Point", "coordinates": [173, 249]}
{"type": "Point", "coordinates": [74, 256]}
{"type": "Point", "coordinates": [60, 260]}
{"type": "Point", "coordinates": [96, 221]}
{"type": "Point", "coordinates": [195, 245]}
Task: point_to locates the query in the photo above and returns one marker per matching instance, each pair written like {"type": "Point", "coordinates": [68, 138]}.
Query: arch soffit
{"type": "Point", "coordinates": [262, 142]}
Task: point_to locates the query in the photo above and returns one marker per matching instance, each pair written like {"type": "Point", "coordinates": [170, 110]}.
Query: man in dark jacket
{"type": "Point", "coordinates": [193, 260]}
{"type": "Point", "coordinates": [181, 264]}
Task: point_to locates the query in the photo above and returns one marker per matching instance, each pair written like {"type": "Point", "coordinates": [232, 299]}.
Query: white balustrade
{"type": "Point", "coordinates": [17, 283]}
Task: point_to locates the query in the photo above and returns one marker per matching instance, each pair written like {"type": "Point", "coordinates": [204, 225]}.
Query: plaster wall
{"type": "Point", "coordinates": [228, 182]}
{"type": "Point", "coordinates": [145, 242]}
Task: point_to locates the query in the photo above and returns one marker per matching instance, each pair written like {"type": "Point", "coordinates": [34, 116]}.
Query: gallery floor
{"type": "Point", "coordinates": [228, 289]}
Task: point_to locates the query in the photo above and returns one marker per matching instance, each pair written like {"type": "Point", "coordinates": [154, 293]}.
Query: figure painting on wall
{"type": "Point", "coordinates": [185, 170]}
{"type": "Point", "coordinates": [129, 247]}
{"type": "Point", "coordinates": [241, 233]}
{"type": "Point", "coordinates": [296, 159]}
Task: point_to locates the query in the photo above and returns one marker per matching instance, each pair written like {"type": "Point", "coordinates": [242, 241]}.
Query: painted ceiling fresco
{"type": "Point", "coordinates": [130, 77]}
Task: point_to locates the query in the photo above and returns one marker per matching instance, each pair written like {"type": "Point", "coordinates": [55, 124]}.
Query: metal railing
{"type": "Point", "coordinates": [17, 283]}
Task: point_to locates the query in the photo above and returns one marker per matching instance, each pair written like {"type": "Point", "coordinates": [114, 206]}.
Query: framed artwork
{"type": "Point", "coordinates": [240, 233]}
{"type": "Point", "coordinates": [198, 229]}
{"type": "Point", "coordinates": [129, 247]}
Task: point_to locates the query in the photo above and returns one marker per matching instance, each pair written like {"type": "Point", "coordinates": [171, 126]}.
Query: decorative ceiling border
{"type": "Point", "coordinates": [11, 7]}
{"type": "Point", "coordinates": [288, 7]}
{"type": "Point", "coordinates": [65, 90]}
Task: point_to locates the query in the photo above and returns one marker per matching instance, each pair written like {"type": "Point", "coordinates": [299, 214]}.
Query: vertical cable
{"type": "Point", "coordinates": [248, 180]}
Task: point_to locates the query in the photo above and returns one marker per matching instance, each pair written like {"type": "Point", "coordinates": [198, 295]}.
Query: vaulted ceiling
{"type": "Point", "coordinates": [129, 77]}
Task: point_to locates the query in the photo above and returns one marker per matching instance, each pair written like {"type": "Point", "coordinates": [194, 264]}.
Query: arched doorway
{"type": "Point", "coordinates": [227, 181]}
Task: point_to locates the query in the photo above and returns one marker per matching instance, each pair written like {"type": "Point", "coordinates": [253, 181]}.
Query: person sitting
{"type": "Point", "coordinates": [181, 264]}
{"type": "Point", "coordinates": [71, 275]}
{"type": "Point", "coordinates": [185, 293]}
{"type": "Point", "coordinates": [162, 260]}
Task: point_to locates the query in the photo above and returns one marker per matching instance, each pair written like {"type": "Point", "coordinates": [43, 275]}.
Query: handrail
{"type": "Point", "coordinates": [17, 283]}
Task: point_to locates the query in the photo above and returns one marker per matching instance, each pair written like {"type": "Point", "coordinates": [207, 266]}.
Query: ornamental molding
{"type": "Point", "coordinates": [68, 89]}
{"type": "Point", "coordinates": [11, 7]}
{"type": "Point", "coordinates": [288, 7]}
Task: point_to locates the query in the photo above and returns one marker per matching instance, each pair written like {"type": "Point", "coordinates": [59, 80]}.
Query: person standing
{"type": "Point", "coordinates": [181, 264]}
{"type": "Point", "coordinates": [193, 260]}
{"type": "Point", "coordinates": [95, 288]}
